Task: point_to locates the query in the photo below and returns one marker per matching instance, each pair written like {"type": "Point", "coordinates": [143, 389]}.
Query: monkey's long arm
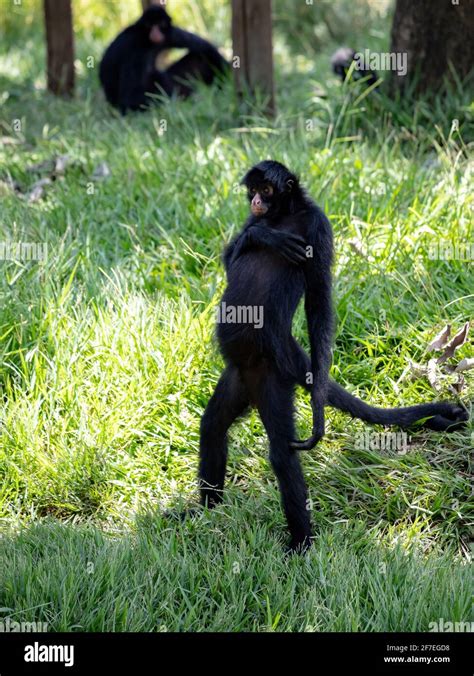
{"type": "Point", "coordinates": [181, 39]}
{"type": "Point", "coordinates": [319, 315]}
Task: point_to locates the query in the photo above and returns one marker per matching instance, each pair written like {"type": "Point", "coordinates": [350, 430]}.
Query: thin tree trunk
{"type": "Point", "coordinates": [252, 47]}
{"type": "Point", "coordinates": [60, 46]}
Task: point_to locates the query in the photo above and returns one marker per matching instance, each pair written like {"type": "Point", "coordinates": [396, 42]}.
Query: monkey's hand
{"type": "Point", "coordinates": [318, 428]}
{"type": "Point", "coordinates": [291, 247]}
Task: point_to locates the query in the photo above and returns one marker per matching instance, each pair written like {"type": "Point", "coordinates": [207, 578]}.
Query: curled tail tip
{"type": "Point", "coordinates": [305, 444]}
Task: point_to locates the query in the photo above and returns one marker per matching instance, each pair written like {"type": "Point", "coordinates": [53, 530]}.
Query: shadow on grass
{"type": "Point", "coordinates": [224, 571]}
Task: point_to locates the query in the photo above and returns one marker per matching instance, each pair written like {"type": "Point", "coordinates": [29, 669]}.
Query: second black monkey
{"type": "Point", "coordinates": [128, 73]}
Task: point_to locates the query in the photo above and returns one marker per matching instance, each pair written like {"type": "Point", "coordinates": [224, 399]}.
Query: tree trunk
{"type": "Point", "coordinates": [252, 48]}
{"type": "Point", "coordinates": [60, 46]}
{"type": "Point", "coordinates": [433, 33]}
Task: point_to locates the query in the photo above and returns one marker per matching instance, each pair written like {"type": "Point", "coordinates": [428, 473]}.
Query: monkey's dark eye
{"type": "Point", "coordinates": [253, 191]}
{"type": "Point", "coordinates": [267, 190]}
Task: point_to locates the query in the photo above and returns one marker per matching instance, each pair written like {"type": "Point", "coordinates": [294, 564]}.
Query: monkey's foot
{"type": "Point", "coordinates": [299, 546]}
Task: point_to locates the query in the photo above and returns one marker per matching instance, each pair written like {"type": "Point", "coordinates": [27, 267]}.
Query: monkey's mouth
{"type": "Point", "coordinates": [259, 211]}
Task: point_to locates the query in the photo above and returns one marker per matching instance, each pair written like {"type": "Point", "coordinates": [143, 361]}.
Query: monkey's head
{"type": "Point", "coordinates": [271, 189]}
{"type": "Point", "coordinates": [156, 23]}
{"type": "Point", "coordinates": [341, 61]}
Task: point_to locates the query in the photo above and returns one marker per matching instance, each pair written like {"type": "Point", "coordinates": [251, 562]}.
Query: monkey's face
{"type": "Point", "coordinates": [270, 187]}
{"type": "Point", "coordinates": [157, 23]}
{"type": "Point", "coordinates": [261, 198]}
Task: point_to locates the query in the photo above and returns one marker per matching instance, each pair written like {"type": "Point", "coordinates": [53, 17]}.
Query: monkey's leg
{"type": "Point", "coordinates": [227, 403]}
{"type": "Point", "coordinates": [275, 406]}
{"type": "Point", "coordinates": [158, 82]}
{"type": "Point", "coordinates": [442, 416]}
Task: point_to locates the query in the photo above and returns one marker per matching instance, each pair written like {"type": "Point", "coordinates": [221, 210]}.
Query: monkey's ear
{"type": "Point", "coordinates": [289, 184]}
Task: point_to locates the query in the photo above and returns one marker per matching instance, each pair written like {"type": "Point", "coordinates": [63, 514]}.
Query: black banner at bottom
{"type": "Point", "coordinates": [77, 653]}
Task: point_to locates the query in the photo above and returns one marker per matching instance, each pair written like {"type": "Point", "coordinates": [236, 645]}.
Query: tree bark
{"type": "Point", "coordinates": [60, 46]}
{"type": "Point", "coordinates": [252, 48]}
{"type": "Point", "coordinates": [433, 33]}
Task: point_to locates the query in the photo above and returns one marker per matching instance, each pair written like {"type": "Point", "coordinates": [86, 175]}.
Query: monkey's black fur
{"type": "Point", "coordinates": [268, 266]}
{"type": "Point", "coordinates": [127, 71]}
{"type": "Point", "coordinates": [341, 61]}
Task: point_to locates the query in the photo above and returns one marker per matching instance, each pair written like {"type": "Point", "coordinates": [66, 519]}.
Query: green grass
{"type": "Point", "coordinates": [170, 578]}
{"type": "Point", "coordinates": [107, 357]}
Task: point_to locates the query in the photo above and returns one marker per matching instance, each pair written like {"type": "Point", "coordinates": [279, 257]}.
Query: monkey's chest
{"type": "Point", "coordinates": [257, 306]}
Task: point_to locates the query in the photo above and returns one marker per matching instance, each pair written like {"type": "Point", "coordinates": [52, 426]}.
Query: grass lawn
{"type": "Point", "coordinates": [107, 357]}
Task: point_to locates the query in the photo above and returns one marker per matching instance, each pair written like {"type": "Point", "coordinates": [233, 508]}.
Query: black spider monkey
{"type": "Point", "coordinates": [284, 251]}
{"type": "Point", "coordinates": [341, 62]}
{"type": "Point", "coordinates": [128, 72]}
